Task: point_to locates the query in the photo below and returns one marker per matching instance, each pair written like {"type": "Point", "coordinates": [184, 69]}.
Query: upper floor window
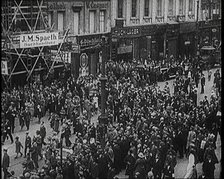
{"type": "Point", "coordinates": [134, 8]}
{"type": "Point", "coordinates": [50, 18]}
{"type": "Point", "coordinates": [181, 7]}
{"type": "Point", "coordinates": [147, 8]}
{"type": "Point", "coordinates": [159, 7]}
{"type": "Point", "coordinates": [92, 19]}
{"type": "Point", "coordinates": [171, 7]}
{"type": "Point", "coordinates": [120, 8]}
{"type": "Point", "coordinates": [61, 21]}
{"type": "Point", "coordinates": [191, 7]}
{"type": "Point", "coordinates": [102, 21]}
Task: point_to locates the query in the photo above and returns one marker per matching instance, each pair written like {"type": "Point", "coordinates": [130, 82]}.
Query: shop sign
{"type": "Point", "coordinates": [96, 5]}
{"type": "Point", "coordinates": [83, 60]}
{"type": "Point", "coordinates": [90, 40]}
{"type": "Point", "coordinates": [148, 30]}
{"type": "Point", "coordinates": [125, 49]}
{"type": "Point", "coordinates": [4, 67]}
{"type": "Point", "coordinates": [56, 6]}
{"type": "Point", "coordinates": [39, 40]}
{"type": "Point", "coordinates": [63, 56]}
{"type": "Point", "coordinates": [126, 32]}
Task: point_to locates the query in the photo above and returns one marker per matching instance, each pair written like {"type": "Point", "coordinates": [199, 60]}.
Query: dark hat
{"type": "Point", "coordinates": [5, 150]}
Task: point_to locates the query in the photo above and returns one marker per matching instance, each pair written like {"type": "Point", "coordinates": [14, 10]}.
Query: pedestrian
{"type": "Point", "coordinates": [39, 113]}
{"type": "Point", "coordinates": [5, 163]}
{"type": "Point", "coordinates": [18, 147]}
{"type": "Point", "coordinates": [7, 131]}
{"type": "Point", "coordinates": [21, 118]}
{"type": "Point", "coordinates": [27, 144]}
{"type": "Point", "coordinates": [130, 164]}
{"type": "Point", "coordinates": [27, 117]}
{"type": "Point", "coordinates": [39, 144]}
{"type": "Point", "coordinates": [202, 83]}
{"type": "Point", "coordinates": [34, 154]}
{"type": "Point", "coordinates": [42, 132]}
{"type": "Point", "coordinates": [208, 167]}
{"type": "Point", "coordinates": [209, 74]}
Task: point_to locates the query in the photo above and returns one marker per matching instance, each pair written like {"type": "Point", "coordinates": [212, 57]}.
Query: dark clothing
{"type": "Point", "coordinates": [5, 164]}
{"type": "Point", "coordinates": [27, 144]}
{"type": "Point", "coordinates": [130, 164]}
{"type": "Point", "coordinates": [208, 168]}
{"type": "Point", "coordinates": [202, 84]}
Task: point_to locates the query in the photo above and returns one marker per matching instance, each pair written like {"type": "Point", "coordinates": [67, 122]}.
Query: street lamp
{"type": "Point", "coordinates": [103, 79]}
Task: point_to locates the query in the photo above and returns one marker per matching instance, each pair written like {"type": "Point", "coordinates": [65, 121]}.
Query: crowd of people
{"type": "Point", "coordinates": [146, 130]}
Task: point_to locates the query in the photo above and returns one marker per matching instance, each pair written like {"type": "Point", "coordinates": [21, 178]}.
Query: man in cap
{"type": "Point", "coordinates": [5, 163]}
{"type": "Point", "coordinates": [202, 83]}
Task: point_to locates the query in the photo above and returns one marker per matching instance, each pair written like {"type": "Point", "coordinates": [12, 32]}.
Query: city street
{"type": "Point", "coordinates": [180, 169]}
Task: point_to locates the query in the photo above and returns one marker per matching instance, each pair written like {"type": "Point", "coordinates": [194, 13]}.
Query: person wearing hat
{"type": "Point", "coordinates": [202, 83]}
{"type": "Point", "coordinates": [208, 167]}
{"type": "Point", "coordinates": [5, 163]}
{"type": "Point", "coordinates": [27, 143]}
{"type": "Point", "coordinates": [42, 132]}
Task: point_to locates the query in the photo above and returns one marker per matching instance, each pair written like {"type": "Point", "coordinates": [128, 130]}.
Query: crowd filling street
{"type": "Point", "coordinates": [147, 129]}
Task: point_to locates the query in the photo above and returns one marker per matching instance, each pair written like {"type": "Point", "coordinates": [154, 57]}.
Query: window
{"type": "Point", "coordinates": [50, 18]}
{"type": "Point", "coordinates": [60, 21]}
{"type": "Point", "coordinates": [102, 21]}
{"type": "Point", "coordinates": [76, 23]}
{"type": "Point", "coordinates": [191, 7]}
{"type": "Point", "coordinates": [146, 12]}
{"type": "Point", "coordinates": [134, 8]}
{"type": "Point", "coordinates": [159, 7]}
{"type": "Point", "coordinates": [120, 9]}
{"type": "Point", "coordinates": [181, 7]}
{"type": "Point", "coordinates": [171, 8]}
{"type": "Point", "coordinates": [92, 21]}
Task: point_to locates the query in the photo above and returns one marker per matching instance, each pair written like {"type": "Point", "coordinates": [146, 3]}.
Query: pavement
{"type": "Point", "coordinates": [180, 169]}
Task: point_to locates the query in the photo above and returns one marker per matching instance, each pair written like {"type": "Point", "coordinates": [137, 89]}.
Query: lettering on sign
{"type": "Point", "coordinates": [90, 40]}
{"type": "Point", "coordinates": [57, 6]}
{"type": "Point", "coordinates": [63, 56]}
{"type": "Point", "coordinates": [96, 5]}
{"type": "Point", "coordinates": [38, 40]}
{"type": "Point", "coordinates": [126, 32]}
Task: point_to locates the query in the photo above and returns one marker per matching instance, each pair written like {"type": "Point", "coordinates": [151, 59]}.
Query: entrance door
{"type": "Point", "coordinates": [172, 48]}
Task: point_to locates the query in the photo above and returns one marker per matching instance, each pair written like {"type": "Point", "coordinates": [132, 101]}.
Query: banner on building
{"type": "Point", "coordinates": [39, 39]}
{"type": "Point", "coordinates": [63, 56]}
{"type": "Point", "coordinates": [4, 67]}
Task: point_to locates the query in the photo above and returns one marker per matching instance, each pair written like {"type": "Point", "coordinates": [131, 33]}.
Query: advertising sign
{"type": "Point", "coordinates": [4, 68]}
{"type": "Point", "coordinates": [64, 55]}
{"type": "Point", "coordinates": [39, 39]}
{"type": "Point", "coordinates": [83, 60]}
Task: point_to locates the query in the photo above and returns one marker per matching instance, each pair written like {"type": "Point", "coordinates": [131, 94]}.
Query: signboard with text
{"type": "Point", "coordinates": [38, 40]}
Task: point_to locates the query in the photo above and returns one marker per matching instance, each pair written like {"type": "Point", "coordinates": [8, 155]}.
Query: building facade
{"type": "Point", "coordinates": [87, 22]}
{"type": "Point", "coordinates": [210, 22]}
{"type": "Point", "coordinates": [154, 28]}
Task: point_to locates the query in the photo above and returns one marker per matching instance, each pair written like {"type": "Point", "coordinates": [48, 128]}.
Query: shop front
{"type": "Point", "coordinates": [187, 39]}
{"type": "Point", "coordinates": [172, 34]}
{"type": "Point", "coordinates": [87, 54]}
{"type": "Point", "coordinates": [125, 43]}
{"type": "Point", "coordinates": [210, 33]}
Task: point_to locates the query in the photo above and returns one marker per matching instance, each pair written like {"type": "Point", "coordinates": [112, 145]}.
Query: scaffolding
{"type": "Point", "coordinates": [22, 19]}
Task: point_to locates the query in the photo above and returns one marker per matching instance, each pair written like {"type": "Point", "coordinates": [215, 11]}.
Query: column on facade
{"type": "Point", "coordinates": [141, 11]}
{"type": "Point", "coordinates": [153, 11]}
{"type": "Point", "coordinates": [128, 11]}
{"type": "Point", "coordinates": [197, 9]}
{"type": "Point", "coordinates": [113, 14]}
{"type": "Point", "coordinates": [177, 7]}
{"type": "Point", "coordinates": [86, 21]}
{"type": "Point", "coordinates": [187, 10]}
{"type": "Point", "coordinates": [165, 10]}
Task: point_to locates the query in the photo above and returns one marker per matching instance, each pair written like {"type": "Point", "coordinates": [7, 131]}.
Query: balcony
{"type": "Point", "coordinates": [180, 18]}
{"type": "Point", "coordinates": [159, 19]}
{"type": "Point", "coordinates": [171, 18]}
{"type": "Point", "coordinates": [135, 20]}
{"type": "Point", "coordinates": [147, 20]}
